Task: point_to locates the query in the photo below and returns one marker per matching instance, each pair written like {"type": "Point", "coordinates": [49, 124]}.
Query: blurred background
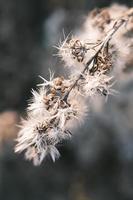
{"type": "Point", "coordinates": [95, 165]}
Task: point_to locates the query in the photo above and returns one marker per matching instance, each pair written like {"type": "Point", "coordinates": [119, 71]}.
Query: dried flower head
{"type": "Point", "coordinates": [47, 121]}
{"type": "Point", "coordinates": [74, 52]}
{"type": "Point", "coordinates": [98, 84]}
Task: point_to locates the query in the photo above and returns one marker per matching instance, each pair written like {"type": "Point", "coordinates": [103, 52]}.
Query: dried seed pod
{"type": "Point", "coordinates": [78, 49]}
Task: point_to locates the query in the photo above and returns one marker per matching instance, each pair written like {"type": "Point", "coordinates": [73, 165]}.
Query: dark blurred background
{"type": "Point", "coordinates": [92, 166]}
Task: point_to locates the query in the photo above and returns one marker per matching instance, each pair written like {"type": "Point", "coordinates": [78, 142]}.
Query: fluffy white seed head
{"type": "Point", "coordinates": [99, 84]}
{"type": "Point", "coordinates": [47, 121]}
{"type": "Point", "coordinates": [60, 105]}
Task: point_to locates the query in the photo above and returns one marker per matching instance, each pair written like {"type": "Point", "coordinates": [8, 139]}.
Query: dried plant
{"type": "Point", "coordinates": [60, 104]}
